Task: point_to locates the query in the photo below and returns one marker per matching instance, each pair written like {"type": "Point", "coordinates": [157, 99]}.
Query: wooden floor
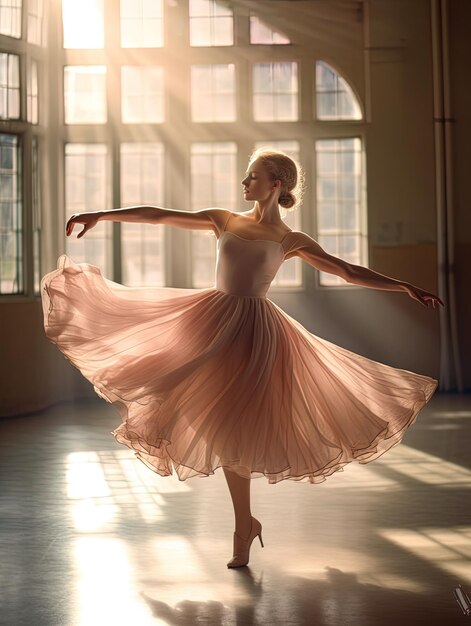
{"type": "Point", "coordinates": [90, 536]}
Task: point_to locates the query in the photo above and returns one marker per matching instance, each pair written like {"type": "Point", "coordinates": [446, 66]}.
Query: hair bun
{"type": "Point", "coordinates": [287, 200]}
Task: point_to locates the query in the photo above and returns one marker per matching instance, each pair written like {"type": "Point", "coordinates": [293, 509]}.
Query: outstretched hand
{"type": "Point", "coordinates": [422, 296]}
{"type": "Point", "coordinates": [88, 219]}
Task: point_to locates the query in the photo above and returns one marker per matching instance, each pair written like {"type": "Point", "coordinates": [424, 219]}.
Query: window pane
{"type": "Point", "coordinates": [141, 23]}
{"type": "Point", "coordinates": [200, 31]}
{"type": "Point", "coordinates": [9, 86]}
{"type": "Point", "coordinates": [10, 18]}
{"type": "Point", "coordinates": [222, 34]}
{"type": "Point", "coordinates": [87, 189]}
{"type": "Point", "coordinates": [85, 94]}
{"type": "Point", "coordinates": [83, 23]}
{"type": "Point", "coordinates": [339, 202]}
{"type": "Point", "coordinates": [285, 107]}
{"type": "Point", "coordinates": [37, 219]}
{"type": "Point", "coordinates": [32, 93]}
{"type": "Point", "coordinates": [142, 183]}
{"type": "Point", "coordinates": [11, 228]}
{"type": "Point", "coordinates": [275, 92]}
{"type": "Point", "coordinates": [211, 23]}
{"type": "Point", "coordinates": [213, 93]}
{"type": "Point", "coordinates": [35, 22]}
{"type": "Point", "coordinates": [335, 99]}
{"type": "Point", "coordinates": [142, 97]}
{"type": "Point", "coordinates": [326, 216]}
{"type": "Point", "coordinates": [261, 33]}
{"type": "Point", "coordinates": [213, 184]}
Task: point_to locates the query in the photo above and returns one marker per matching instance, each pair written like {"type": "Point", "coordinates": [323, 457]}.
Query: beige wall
{"type": "Point", "coordinates": [33, 373]}
{"type": "Point", "coordinates": [460, 53]}
{"type": "Point", "coordinates": [385, 326]}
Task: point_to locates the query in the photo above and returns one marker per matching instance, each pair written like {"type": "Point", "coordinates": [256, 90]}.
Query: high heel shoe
{"type": "Point", "coordinates": [242, 546]}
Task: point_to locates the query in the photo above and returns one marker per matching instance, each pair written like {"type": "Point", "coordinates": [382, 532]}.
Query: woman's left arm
{"type": "Point", "coordinates": [307, 248]}
{"type": "Point", "coordinates": [359, 275]}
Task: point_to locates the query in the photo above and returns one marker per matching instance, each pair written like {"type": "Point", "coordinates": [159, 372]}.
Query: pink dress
{"type": "Point", "coordinates": [223, 376]}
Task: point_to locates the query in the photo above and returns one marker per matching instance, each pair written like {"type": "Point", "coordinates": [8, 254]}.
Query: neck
{"type": "Point", "coordinates": [266, 211]}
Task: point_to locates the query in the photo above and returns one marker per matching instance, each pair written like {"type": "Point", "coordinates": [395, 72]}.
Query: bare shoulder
{"type": "Point", "coordinates": [293, 241]}
{"type": "Point", "coordinates": [297, 239]}
{"type": "Point", "coordinates": [218, 218]}
{"type": "Point", "coordinates": [300, 237]}
{"type": "Point", "coordinates": [307, 248]}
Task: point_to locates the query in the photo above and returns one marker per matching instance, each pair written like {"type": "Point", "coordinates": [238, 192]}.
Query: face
{"type": "Point", "coordinates": [257, 184]}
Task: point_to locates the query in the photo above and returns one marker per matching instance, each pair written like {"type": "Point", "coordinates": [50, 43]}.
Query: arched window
{"type": "Point", "coordinates": [335, 99]}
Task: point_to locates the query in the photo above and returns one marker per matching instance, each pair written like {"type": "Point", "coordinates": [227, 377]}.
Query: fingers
{"type": "Point", "coordinates": [69, 226]}
{"type": "Point", "coordinates": [432, 299]}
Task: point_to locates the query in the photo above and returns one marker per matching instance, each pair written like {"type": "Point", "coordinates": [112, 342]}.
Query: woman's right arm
{"type": "Point", "coordinates": [204, 219]}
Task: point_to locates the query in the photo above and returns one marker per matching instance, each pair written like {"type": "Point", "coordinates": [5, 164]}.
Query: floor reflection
{"type": "Point", "coordinates": [90, 536]}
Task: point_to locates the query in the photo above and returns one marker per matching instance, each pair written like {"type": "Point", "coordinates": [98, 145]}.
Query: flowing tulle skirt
{"type": "Point", "coordinates": [203, 379]}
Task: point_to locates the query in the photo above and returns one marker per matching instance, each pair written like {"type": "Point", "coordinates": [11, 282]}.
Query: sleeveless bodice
{"type": "Point", "coordinates": [246, 267]}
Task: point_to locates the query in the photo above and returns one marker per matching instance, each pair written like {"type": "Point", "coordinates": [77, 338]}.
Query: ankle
{"type": "Point", "coordinates": [243, 527]}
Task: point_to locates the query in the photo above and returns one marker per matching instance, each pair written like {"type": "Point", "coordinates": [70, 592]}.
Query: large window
{"type": "Point", "coordinates": [21, 67]}
{"type": "Point", "coordinates": [11, 225]}
{"type": "Point", "coordinates": [161, 102]}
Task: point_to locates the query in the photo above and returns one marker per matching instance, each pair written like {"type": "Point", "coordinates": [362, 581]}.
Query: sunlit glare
{"type": "Point", "coordinates": [105, 589]}
{"type": "Point", "coordinates": [100, 485]}
{"type": "Point", "coordinates": [89, 515]}
{"type": "Point", "coordinates": [83, 23]}
{"type": "Point", "coordinates": [446, 548]}
{"type": "Point", "coordinates": [427, 468]}
{"type": "Point", "coordinates": [404, 461]}
{"type": "Point", "coordinates": [85, 478]}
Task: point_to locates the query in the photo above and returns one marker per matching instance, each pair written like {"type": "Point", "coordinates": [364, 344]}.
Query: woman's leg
{"type": "Point", "coordinates": [239, 488]}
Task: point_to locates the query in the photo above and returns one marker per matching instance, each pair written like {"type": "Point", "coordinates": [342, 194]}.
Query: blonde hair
{"type": "Point", "coordinates": [284, 168]}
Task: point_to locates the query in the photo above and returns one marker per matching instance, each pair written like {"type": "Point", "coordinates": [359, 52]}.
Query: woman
{"type": "Point", "coordinates": [223, 377]}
